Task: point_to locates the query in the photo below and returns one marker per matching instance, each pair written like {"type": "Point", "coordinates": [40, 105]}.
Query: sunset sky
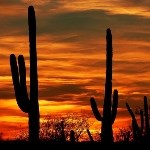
{"type": "Point", "coordinates": [71, 55]}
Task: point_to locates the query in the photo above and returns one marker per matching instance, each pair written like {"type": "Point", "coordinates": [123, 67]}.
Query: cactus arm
{"type": "Point", "coordinates": [15, 78]}
{"type": "Point", "coordinates": [114, 106]}
{"type": "Point", "coordinates": [22, 71]}
{"type": "Point", "coordinates": [146, 115]}
{"type": "Point", "coordinates": [95, 109]}
{"type": "Point", "coordinates": [130, 111]}
{"type": "Point", "coordinates": [22, 103]}
{"type": "Point", "coordinates": [134, 122]}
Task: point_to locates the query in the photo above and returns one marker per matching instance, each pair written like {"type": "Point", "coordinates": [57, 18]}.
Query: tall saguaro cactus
{"type": "Point", "coordinates": [28, 104]}
{"type": "Point", "coordinates": [109, 108]}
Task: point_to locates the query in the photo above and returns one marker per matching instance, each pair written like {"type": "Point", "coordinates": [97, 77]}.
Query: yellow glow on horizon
{"type": "Point", "coordinates": [19, 120]}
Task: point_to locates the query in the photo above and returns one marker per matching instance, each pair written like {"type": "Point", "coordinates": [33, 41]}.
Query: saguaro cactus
{"type": "Point", "coordinates": [26, 104]}
{"type": "Point", "coordinates": [109, 108]}
{"type": "Point", "coordinates": [144, 130]}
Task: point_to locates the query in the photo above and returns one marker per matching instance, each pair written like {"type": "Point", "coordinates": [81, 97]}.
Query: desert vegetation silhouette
{"type": "Point", "coordinates": [59, 129]}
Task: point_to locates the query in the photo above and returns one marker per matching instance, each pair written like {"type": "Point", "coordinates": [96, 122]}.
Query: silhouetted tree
{"type": "Point", "coordinates": [28, 104]}
{"type": "Point", "coordinates": [60, 128]}
{"type": "Point", "coordinates": [124, 135]}
{"type": "Point", "coordinates": [109, 108]}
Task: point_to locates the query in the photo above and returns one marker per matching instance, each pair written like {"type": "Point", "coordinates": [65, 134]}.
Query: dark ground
{"type": "Point", "coordinates": [80, 145]}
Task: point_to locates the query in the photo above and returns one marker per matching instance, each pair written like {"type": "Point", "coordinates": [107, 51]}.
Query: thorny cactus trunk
{"type": "Point", "coordinates": [26, 104]}
{"type": "Point", "coordinates": [109, 108]}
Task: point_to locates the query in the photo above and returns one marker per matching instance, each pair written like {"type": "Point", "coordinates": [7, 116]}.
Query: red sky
{"type": "Point", "coordinates": [71, 55]}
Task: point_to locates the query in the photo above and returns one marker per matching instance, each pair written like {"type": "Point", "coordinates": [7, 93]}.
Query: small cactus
{"type": "Point", "coordinates": [72, 136]}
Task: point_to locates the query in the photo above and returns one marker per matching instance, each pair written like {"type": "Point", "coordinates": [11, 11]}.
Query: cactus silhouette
{"type": "Point", "coordinates": [26, 104]}
{"type": "Point", "coordinates": [109, 108]}
{"type": "Point", "coordinates": [143, 131]}
{"type": "Point", "coordinates": [72, 136]}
